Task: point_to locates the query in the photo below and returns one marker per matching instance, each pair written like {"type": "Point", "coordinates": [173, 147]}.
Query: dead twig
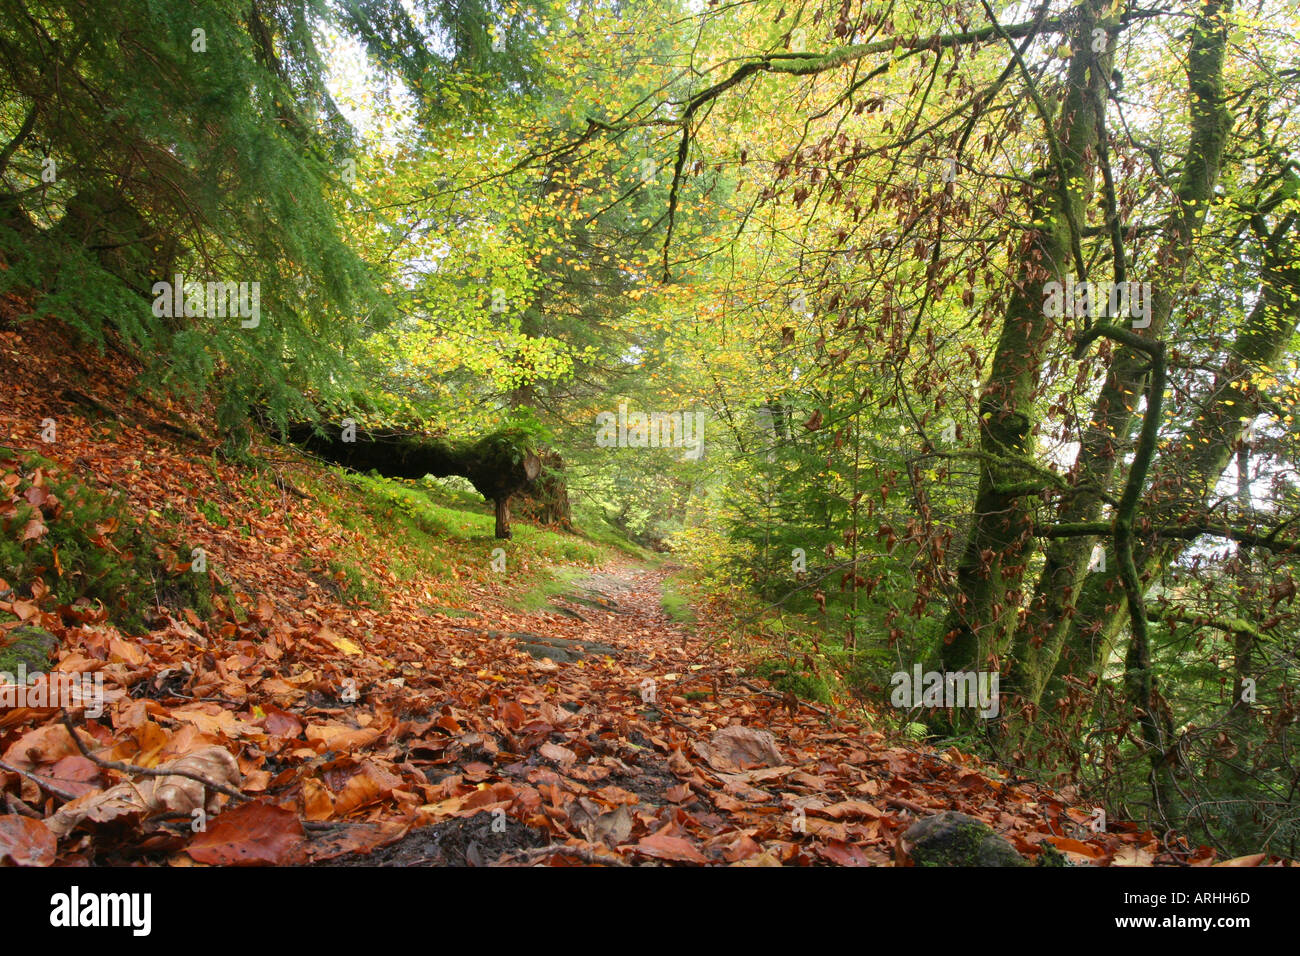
{"type": "Point", "coordinates": [123, 767]}
{"type": "Point", "coordinates": [561, 849]}
{"type": "Point", "coordinates": [17, 806]}
{"type": "Point", "coordinates": [39, 781]}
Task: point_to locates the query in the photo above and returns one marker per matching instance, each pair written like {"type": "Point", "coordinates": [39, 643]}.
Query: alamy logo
{"type": "Point", "coordinates": [102, 909]}
{"type": "Point", "coordinates": [946, 689]}
{"type": "Point", "coordinates": [59, 689]}
{"type": "Point", "coordinates": [1079, 299]}
{"type": "Point", "coordinates": [213, 300]}
{"type": "Point", "coordinates": [652, 430]}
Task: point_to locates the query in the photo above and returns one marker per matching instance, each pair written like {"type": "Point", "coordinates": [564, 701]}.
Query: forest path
{"type": "Point", "coordinates": [633, 742]}
{"type": "Point", "coordinates": [616, 608]}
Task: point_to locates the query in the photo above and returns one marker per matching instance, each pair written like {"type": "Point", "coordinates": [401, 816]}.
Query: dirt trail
{"type": "Point", "coordinates": [607, 647]}
{"type": "Point", "coordinates": [648, 747]}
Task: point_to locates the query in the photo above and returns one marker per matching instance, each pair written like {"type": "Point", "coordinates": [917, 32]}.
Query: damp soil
{"type": "Point", "coordinates": [479, 840]}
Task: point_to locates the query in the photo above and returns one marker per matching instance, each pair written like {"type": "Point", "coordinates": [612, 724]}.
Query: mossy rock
{"type": "Point", "coordinates": [569, 644]}
{"type": "Point", "coordinates": [557, 654]}
{"type": "Point", "coordinates": [30, 647]}
{"type": "Point", "coordinates": [1051, 856]}
{"type": "Point", "coordinates": [559, 649]}
{"type": "Point", "coordinates": [955, 839]}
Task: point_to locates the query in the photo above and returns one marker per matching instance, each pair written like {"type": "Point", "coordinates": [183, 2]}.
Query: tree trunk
{"type": "Point", "coordinates": [498, 465]}
{"type": "Point", "coordinates": [503, 517]}
{"type": "Point", "coordinates": [1039, 640]}
{"type": "Point", "coordinates": [985, 607]}
{"type": "Point", "coordinates": [1188, 472]}
{"type": "Point", "coordinates": [1243, 641]}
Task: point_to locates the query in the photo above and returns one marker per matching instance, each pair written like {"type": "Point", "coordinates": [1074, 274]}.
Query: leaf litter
{"type": "Point", "coordinates": [360, 736]}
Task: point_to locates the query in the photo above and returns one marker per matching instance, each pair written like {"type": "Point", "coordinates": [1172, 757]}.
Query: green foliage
{"type": "Point", "coordinates": [787, 676]}
{"type": "Point", "coordinates": [226, 159]}
{"type": "Point", "coordinates": [591, 522]}
{"type": "Point", "coordinates": [208, 164]}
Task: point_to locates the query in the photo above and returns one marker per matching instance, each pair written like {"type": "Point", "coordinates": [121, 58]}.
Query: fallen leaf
{"type": "Point", "coordinates": [557, 754]}
{"type": "Point", "coordinates": [745, 747]}
{"type": "Point", "coordinates": [26, 842]}
{"type": "Point", "coordinates": [254, 834]}
{"type": "Point", "coordinates": [152, 795]}
{"type": "Point", "coordinates": [669, 848]}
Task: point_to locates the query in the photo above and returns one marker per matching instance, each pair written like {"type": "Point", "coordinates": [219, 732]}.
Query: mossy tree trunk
{"type": "Point", "coordinates": [498, 465]}
{"type": "Point", "coordinates": [1189, 470]}
{"type": "Point", "coordinates": [1108, 429]}
{"type": "Point", "coordinates": [985, 606]}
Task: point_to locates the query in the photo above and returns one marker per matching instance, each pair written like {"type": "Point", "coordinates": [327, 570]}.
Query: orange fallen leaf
{"type": "Point", "coordinates": [254, 834]}
{"type": "Point", "coordinates": [26, 842]}
{"type": "Point", "coordinates": [670, 848]}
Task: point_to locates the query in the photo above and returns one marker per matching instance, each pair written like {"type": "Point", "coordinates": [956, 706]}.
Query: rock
{"type": "Point", "coordinates": [571, 649]}
{"type": "Point", "coordinates": [557, 654]}
{"type": "Point", "coordinates": [568, 612]}
{"type": "Point", "coordinates": [31, 647]}
{"type": "Point", "coordinates": [744, 747]}
{"type": "Point", "coordinates": [562, 650]}
{"type": "Point", "coordinates": [955, 839]}
{"type": "Point", "coordinates": [597, 601]}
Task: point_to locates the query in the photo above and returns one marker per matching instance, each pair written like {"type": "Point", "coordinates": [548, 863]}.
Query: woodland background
{"type": "Point", "coordinates": [831, 227]}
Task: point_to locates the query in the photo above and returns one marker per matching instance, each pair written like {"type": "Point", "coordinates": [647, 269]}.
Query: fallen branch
{"type": "Point", "coordinates": [123, 767]}
{"type": "Point", "coordinates": [902, 804]}
{"type": "Point", "coordinates": [285, 485]}
{"type": "Point", "coordinates": [561, 849]}
{"type": "Point", "coordinates": [784, 698]}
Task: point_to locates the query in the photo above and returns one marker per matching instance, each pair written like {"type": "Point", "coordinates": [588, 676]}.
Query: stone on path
{"type": "Point", "coordinates": [955, 839]}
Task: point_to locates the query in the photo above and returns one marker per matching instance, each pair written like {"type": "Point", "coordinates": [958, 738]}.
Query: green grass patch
{"type": "Point", "coordinates": [538, 595]}
{"type": "Point", "coordinates": [433, 527]}
{"type": "Point", "coordinates": [355, 586]}
{"type": "Point", "coordinates": [676, 603]}
{"type": "Point", "coordinates": [211, 512]}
